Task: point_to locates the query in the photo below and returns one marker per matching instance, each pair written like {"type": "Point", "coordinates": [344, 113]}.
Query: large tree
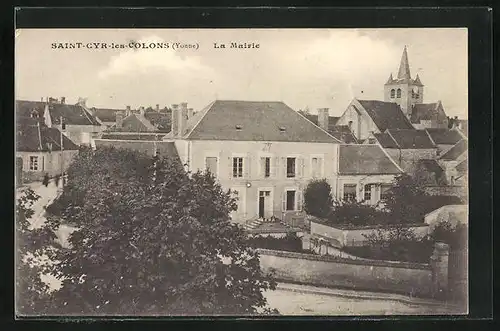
{"type": "Point", "coordinates": [318, 198]}
{"type": "Point", "coordinates": [406, 200]}
{"type": "Point", "coordinates": [32, 245]}
{"type": "Point", "coordinates": [153, 239]}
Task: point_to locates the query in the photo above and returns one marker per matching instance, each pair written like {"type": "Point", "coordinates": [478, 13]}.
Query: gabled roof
{"type": "Point", "coordinates": [253, 121]}
{"type": "Point", "coordinates": [343, 133]}
{"type": "Point", "coordinates": [411, 139]}
{"type": "Point", "coordinates": [386, 115]}
{"type": "Point", "coordinates": [385, 140]}
{"type": "Point", "coordinates": [33, 138]}
{"type": "Point", "coordinates": [72, 114]}
{"type": "Point", "coordinates": [365, 160]}
{"type": "Point", "coordinates": [134, 123]}
{"type": "Point", "coordinates": [443, 136]}
{"type": "Point", "coordinates": [427, 112]}
{"type": "Point", "coordinates": [431, 166]}
{"type": "Point", "coordinates": [163, 148]}
{"type": "Point", "coordinates": [132, 136]}
{"type": "Point", "coordinates": [106, 114]}
{"type": "Point", "coordinates": [457, 150]}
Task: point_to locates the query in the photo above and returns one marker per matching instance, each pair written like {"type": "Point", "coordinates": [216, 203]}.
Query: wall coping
{"type": "Point", "coordinates": [329, 258]}
{"type": "Point", "coordinates": [368, 227]}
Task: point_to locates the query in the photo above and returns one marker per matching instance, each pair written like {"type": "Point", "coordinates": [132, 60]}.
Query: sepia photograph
{"type": "Point", "coordinates": [241, 172]}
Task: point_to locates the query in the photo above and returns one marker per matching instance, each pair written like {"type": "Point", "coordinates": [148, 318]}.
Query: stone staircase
{"type": "Point", "coordinates": [250, 225]}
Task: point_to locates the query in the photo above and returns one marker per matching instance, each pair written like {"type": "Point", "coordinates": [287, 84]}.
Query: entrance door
{"type": "Point", "coordinates": [265, 204]}
{"type": "Point", "coordinates": [261, 206]}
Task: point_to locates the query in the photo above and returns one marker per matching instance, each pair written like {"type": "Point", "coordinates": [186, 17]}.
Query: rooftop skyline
{"type": "Point", "coordinates": [311, 68]}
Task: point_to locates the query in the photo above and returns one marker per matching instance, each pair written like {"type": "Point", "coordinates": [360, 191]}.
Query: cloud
{"type": "Point", "coordinates": [144, 61]}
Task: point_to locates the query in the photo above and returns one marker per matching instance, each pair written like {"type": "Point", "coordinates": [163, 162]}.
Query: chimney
{"type": "Point", "coordinates": [190, 112]}
{"type": "Point", "coordinates": [119, 119]}
{"type": "Point", "coordinates": [183, 114]}
{"type": "Point", "coordinates": [157, 107]}
{"type": "Point", "coordinates": [82, 102]}
{"type": "Point", "coordinates": [63, 100]}
{"type": "Point", "coordinates": [175, 120]}
{"type": "Point", "coordinates": [141, 111]}
{"type": "Point", "coordinates": [323, 117]}
{"type": "Point", "coordinates": [128, 111]}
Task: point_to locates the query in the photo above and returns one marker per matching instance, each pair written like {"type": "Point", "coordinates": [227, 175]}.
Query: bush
{"type": "Point", "coordinates": [291, 243]}
{"type": "Point", "coordinates": [356, 213]}
{"type": "Point", "coordinates": [317, 198]}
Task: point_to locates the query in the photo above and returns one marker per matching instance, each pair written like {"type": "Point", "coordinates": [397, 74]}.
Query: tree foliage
{"type": "Point", "coordinates": [406, 200]}
{"type": "Point", "coordinates": [32, 297]}
{"type": "Point", "coordinates": [153, 239]}
{"type": "Point", "coordinates": [317, 198]}
{"type": "Point", "coordinates": [356, 213]}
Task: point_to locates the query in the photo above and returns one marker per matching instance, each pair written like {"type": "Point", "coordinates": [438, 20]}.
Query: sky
{"type": "Point", "coordinates": [305, 68]}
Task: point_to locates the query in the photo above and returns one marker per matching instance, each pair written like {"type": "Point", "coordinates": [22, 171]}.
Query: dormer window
{"type": "Point", "coordinates": [282, 129]}
{"type": "Point", "coordinates": [239, 127]}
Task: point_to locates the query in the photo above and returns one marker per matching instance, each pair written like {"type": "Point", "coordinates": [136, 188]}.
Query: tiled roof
{"type": "Point", "coordinates": [462, 166]}
{"type": "Point", "coordinates": [411, 139]}
{"type": "Point", "coordinates": [457, 150]}
{"type": "Point", "coordinates": [343, 133]}
{"type": "Point", "coordinates": [132, 136]}
{"type": "Point", "coordinates": [72, 114]}
{"type": "Point", "coordinates": [365, 160]}
{"type": "Point", "coordinates": [427, 112]}
{"type": "Point", "coordinates": [386, 115]}
{"type": "Point", "coordinates": [31, 138]}
{"type": "Point", "coordinates": [162, 119]}
{"type": "Point", "coordinates": [133, 123]}
{"type": "Point", "coordinates": [148, 147]}
{"type": "Point", "coordinates": [332, 120]}
{"type": "Point", "coordinates": [106, 114]}
{"type": "Point", "coordinates": [444, 136]}
{"type": "Point", "coordinates": [385, 140]}
{"type": "Point", "coordinates": [253, 121]}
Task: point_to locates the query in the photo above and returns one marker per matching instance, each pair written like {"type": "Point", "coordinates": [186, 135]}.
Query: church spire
{"type": "Point", "coordinates": [404, 66]}
{"type": "Point", "coordinates": [390, 80]}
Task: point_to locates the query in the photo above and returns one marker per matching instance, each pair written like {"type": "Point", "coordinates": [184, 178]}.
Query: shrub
{"type": "Point", "coordinates": [291, 242]}
{"type": "Point", "coordinates": [317, 198]}
{"type": "Point", "coordinates": [356, 213]}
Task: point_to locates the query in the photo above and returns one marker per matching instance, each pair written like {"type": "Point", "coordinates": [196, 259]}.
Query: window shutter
{"type": "Point", "coordinates": [230, 166]}
{"type": "Point", "coordinates": [321, 167]}
{"type": "Point", "coordinates": [299, 200]}
{"type": "Point", "coordinates": [42, 163]}
{"type": "Point", "coordinates": [300, 170]}
{"type": "Point", "coordinates": [274, 166]}
{"type": "Point", "coordinates": [283, 167]}
{"type": "Point", "coordinates": [283, 201]}
{"type": "Point", "coordinates": [246, 167]}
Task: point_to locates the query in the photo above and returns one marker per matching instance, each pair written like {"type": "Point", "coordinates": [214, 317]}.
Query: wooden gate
{"type": "Point", "coordinates": [458, 274]}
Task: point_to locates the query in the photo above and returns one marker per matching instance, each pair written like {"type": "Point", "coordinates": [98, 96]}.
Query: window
{"type": "Point", "coordinates": [290, 167]}
{"type": "Point", "coordinates": [265, 166]}
{"type": "Point", "coordinates": [384, 189]}
{"type": "Point", "coordinates": [290, 200]}
{"type": "Point", "coordinates": [393, 93]}
{"type": "Point", "coordinates": [237, 167]}
{"type": "Point", "coordinates": [211, 164]}
{"type": "Point", "coordinates": [316, 167]}
{"type": "Point", "coordinates": [368, 192]}
{"type": "Point", "coordinates": [399, 93]}
{"type": "Point", "coordinates": [34, 163]}
{"type": "Point", "coordinates": [349, 192]}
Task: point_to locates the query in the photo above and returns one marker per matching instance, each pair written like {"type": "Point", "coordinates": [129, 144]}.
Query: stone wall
{"type": "Point", "coordinates": [458, 191]}
{"type": "Point", "coordinates": [414, 279]}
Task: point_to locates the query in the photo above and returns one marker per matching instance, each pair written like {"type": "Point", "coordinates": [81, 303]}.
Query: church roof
{"type": "Point", "coordinates": [427, 112]}
{"type": "Point", "coordinates": [386, 115]}
{"type": "Point", "coordinates": [404, 67]}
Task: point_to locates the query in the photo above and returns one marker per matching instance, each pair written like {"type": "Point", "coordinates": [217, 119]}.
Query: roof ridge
{"type": "Point", "coordinates": [325, 131]}
{"type": "Point", "coordinates": [203, 112]}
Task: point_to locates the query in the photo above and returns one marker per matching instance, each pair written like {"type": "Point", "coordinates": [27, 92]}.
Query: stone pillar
{"type": "Point", "coordinates": [439, 265]}
{"type": "Point", "coordinates": [306, 241]}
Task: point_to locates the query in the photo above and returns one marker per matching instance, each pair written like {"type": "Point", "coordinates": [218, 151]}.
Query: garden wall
{"type": "Point", "coordinates": [342, 236]}
{"type": "Point", "coordinates": [425, 280]}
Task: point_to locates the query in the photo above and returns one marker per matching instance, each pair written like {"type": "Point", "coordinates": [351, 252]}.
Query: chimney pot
{"type": "Point", "coordinates": [323, 118]}
{"type": "Point", "coordinates": [157, 107]}
{"type": "Point", "coordinates": [175, 120]}
{"type": "Point", "coordinates": [183, 115]}
{"type": "Point", "coordinates": [119, 119]}
{"type": "Point", "coordinates": [190, 113]}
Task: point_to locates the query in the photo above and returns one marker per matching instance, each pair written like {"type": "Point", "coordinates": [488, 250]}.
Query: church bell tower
{"type": "Point", "coordinates": [404, 90]}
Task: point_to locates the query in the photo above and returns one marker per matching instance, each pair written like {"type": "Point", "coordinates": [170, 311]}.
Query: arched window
{"type": "Point", "coordinates": [398, 93]}
{"type": "Point", "coordinates": [393, 93]}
